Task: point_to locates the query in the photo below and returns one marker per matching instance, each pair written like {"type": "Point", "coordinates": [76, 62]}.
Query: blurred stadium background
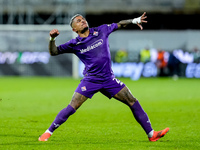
{"type": "Point", "coordinates": [168, 46]}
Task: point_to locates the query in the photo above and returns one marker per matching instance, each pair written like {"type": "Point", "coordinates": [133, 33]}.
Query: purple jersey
{"type": "Point", "coordinates": [93, 51]}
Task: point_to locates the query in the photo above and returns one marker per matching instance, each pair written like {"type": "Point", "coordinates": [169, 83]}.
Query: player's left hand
{"type": "Point", "coordinates": [142, 20]}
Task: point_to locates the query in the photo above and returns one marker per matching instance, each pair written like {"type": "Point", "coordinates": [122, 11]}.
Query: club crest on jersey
{"type": "Point", "coordinates": [83, 88]}
{"type": "Point", "coordinates": [95, 33]}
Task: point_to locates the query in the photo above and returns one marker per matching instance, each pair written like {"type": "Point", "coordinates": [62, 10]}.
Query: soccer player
{"type": "Point", "coordinates": [92, 48]}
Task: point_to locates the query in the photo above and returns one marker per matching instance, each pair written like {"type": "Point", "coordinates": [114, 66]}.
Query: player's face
{"type": "Point", "coordinates": [79, 24]}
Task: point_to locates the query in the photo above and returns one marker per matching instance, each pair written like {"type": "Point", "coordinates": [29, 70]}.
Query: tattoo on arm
{"type": "Point", "coordinates": [124, 23]}
{"type": "Point", "coordinates": [53, 48]}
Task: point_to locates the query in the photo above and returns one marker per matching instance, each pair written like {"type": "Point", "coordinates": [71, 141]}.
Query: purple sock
{"type": "Point", "coordinates": [62, 117]}
{"type": "Point", "coordinates": [141, 117]}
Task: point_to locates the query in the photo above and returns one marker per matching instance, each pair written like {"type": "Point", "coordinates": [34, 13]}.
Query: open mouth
{"type": "Point", "coordinates": [83, 24]}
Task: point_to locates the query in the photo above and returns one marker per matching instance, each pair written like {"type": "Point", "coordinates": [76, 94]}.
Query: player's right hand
{"type": "Point", "coordinates": [54, 33]}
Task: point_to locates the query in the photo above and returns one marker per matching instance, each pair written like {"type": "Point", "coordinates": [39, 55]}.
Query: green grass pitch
{"type": "Point", "coordinates": [29, 105]}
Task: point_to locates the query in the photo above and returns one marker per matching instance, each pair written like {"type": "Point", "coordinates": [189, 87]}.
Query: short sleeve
{"type": "Point", "coordinates": [65, 48]}
{"type": "Point", "coordinates": [109, 28]}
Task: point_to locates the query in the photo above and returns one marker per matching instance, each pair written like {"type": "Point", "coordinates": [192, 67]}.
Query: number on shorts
{"type": "Point", "coordinates": [118, 81]}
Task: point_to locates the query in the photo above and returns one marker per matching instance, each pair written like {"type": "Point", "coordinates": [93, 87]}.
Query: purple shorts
{"type": "Point", "coordinates": [109, 87]}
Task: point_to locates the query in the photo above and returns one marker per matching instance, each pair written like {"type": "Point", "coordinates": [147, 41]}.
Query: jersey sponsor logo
{"type": "Point", "coordinates": [92, 46]}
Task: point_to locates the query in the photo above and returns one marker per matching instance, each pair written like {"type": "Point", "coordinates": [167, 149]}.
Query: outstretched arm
{"type": "Point", "coordinates": [52, 46]}
{"type": "Point", "coordinates": [138, 21]}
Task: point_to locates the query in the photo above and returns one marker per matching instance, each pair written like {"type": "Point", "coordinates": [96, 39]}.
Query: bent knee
{"type": "Point", "coordinates": [77, 100]}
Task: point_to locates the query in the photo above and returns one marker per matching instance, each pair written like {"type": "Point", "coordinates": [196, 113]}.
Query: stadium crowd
{"type": "Point", "coordinates": [169, 63]}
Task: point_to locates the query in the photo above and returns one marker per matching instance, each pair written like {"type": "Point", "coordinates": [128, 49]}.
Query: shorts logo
{"type": "Point", "coordinates": [83, 88]}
